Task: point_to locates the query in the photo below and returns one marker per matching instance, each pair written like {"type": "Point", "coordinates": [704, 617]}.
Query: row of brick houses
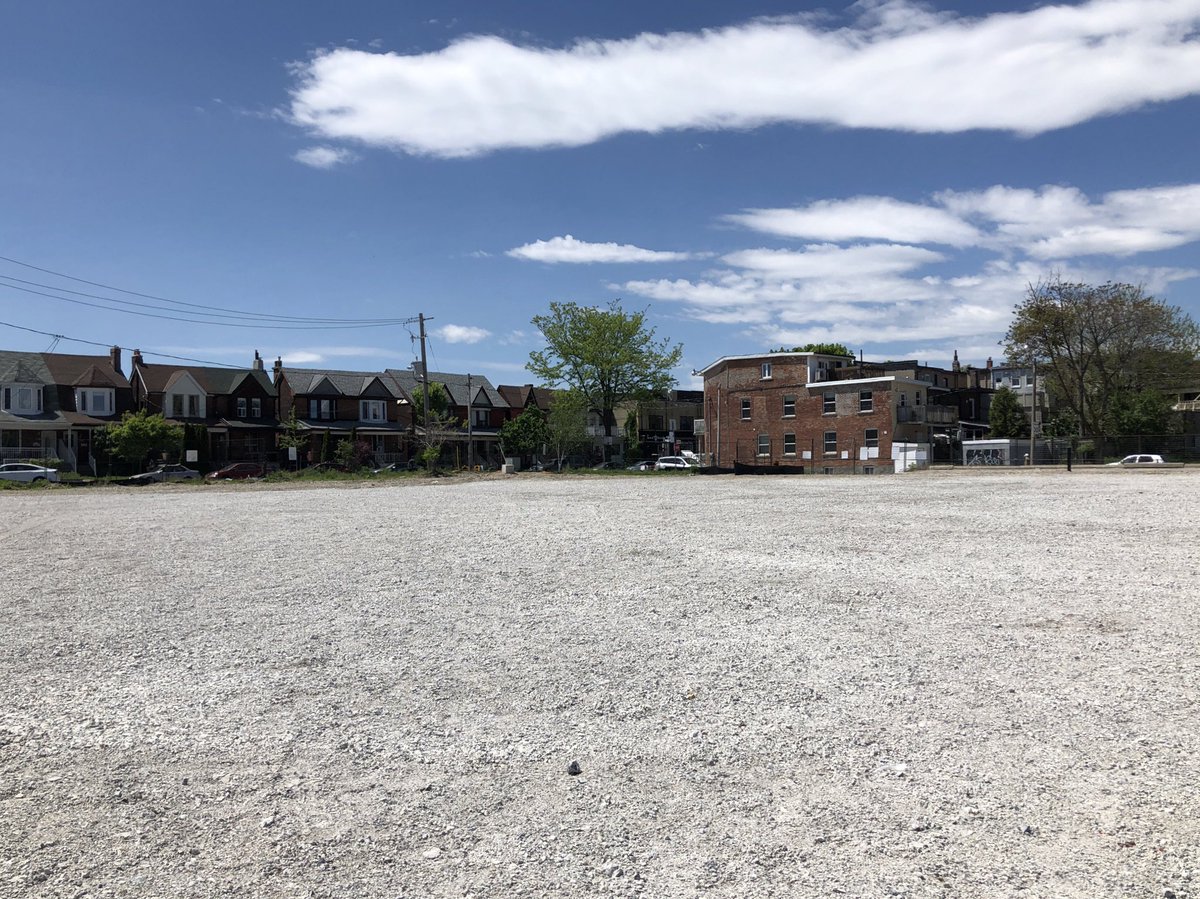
{"type": "Point", "coordinates": [51, 404]}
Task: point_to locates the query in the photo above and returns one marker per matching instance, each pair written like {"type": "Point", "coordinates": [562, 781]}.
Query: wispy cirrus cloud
{"type": "Point", "coordinates": [897, 66]}
{"type": "Point", "coordinates": [322, 157]}
{"type": "Point", "coordinates": [569, 249]}
{"type": "Point", "coordinates": [462, 333]}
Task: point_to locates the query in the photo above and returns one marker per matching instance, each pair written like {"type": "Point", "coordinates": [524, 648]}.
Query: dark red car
{"type": "Point", "coordinates": [238, 471]}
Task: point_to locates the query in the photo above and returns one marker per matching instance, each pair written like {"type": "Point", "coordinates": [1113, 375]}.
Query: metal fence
{"type": "Point", "coordinates": [1101, 450]}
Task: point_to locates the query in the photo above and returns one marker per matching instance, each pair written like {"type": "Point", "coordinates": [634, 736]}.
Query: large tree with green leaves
{"type": "Point", "coordinates": [1006, 418]}
{"type": "Point", "coordinates": [525, 434]}
{"type": "Point", "coordinates": [139, 435]}
{"type": "Point", "coordinates": [606, 354]}
{"type": "Point", "coordinates": [1095, 346]}
{"type": "Point", "coordinates": [566, 423]}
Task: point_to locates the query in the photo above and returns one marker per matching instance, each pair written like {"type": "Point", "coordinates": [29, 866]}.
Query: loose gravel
{"type": "Point", "coordinates": [928, 685]}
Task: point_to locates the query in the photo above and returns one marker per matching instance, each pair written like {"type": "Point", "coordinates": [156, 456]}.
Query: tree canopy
{"type": "Point", "coordinates": [1006, 418]}
{"type": "Point", "coordinates": [439, 427]}
{"type": "Point", "coordinates": [1097, 346]}
{"type": "Point", "coordinates": [826, 349]}
{"type": "Point", "coordinates": [138, 435]}
{"type": "Point", "coordinates": [566, 425]}
{"type": "Point", "coordinates": [525, 434]}
{"type": "Point", "coordinates": [606, 354]}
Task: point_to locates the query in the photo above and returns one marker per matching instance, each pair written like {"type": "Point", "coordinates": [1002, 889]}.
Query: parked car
{"type": "Point", "coordinates": [641, 466]}
{"type": "Point", "coordinates": [410, 465]}
{"type": "Point", "coordinates": [672, 463]}
{"type": "Point", "coordinates": [238, 471]}
{"type": "Point", "coordinates": [166, 473]}
{"type": "Point", "coordinates": [27, 472]}
{"type": "Point", "coordinates": [608, 466]}
{"type": "Point", "coordinates": [1140, 459]}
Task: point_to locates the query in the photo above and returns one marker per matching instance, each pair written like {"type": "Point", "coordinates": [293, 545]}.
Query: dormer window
{"type": "Point", "coordinates": [256, 407]}
{"type": "Point", "coordinates": [372, 410]}
{"type": "Point", "coordinates": [22, 399]}
{"type": "Point", "coordinates": [241, 407]}
{"type": "Point", "coordinates": [94, 401]}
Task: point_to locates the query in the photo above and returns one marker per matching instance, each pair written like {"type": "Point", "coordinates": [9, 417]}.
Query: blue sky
{"type": "Point", "coordinates": [888, 175]}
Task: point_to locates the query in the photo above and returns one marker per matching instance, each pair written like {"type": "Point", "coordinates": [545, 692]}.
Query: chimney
{"type": "Point", "coordinates": [956, 366]}
{"type": "Point", "coordinates": [276, 370]}
{"type": "Point", "coordinates": [114, 356]}
{"type": "Point", "coordinates": [258, 366]}
{"type": "Point", "coordinates": [989, 363]}
{"type": "Point", "coordinates": [136, 359]}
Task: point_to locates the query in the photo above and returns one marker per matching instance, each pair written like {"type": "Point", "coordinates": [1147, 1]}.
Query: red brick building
{"type": "Point", "coordinates": [815, 411]}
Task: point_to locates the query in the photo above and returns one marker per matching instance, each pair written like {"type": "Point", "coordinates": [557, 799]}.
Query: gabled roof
{"type": "Point", "coordinates": [59, 368]}
{"type": "Point", "coordinates": [23, 368]}
{"type": "Point", "coordinates": [157, 377]}
{"type": "Point", "coordinates": [455, 385]}
{"type": "Point", "coordinates": [526, 395]}
{"type": "Point", "coordinates": [343, 383]}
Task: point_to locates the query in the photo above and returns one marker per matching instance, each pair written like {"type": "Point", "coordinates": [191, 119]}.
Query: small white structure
{"type": "Point", "coordinates": [910, 456]}
{"type": "Point", "coordinates": [994, 452]}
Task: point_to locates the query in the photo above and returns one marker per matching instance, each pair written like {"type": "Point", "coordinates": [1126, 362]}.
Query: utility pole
{"type": "Point", "coordinates": [470, 427]}
{"type": "Point", "coordinates": [424, 375]}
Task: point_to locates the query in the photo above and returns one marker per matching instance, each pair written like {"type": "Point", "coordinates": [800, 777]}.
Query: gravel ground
{"type": "Point", "coordinates": [940, 684]}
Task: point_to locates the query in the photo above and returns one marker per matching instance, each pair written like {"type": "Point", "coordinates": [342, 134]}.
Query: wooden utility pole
{"type": "Point", "coordinates": [470, 427]}
{"type": "Point", "coordinates": [424, 376]}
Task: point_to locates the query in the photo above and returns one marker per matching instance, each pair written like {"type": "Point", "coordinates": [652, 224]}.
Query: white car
{"type": "Point", "coordinates": [27, 472]}
{"type": "Point", "coordinates": [672, 463]}
{"type": "Point", "coordinates": [1140, 459]}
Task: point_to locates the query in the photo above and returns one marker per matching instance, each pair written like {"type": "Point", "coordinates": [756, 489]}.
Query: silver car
{"type": "Point", "coordinates": [167, 473]}
{"type": "Point", "coordinates": [672, 463]}
{"type": "Point", "coordinates": [27, 472]}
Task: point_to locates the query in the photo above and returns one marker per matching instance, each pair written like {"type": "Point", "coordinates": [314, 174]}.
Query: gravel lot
{"type": "Point", "coordinates": [939, 684]}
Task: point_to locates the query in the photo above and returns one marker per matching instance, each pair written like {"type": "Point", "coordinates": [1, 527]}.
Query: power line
{"type": "Point", "coordinates": [195, 321]}
{"type": "Point", "coordinates": [58, 337]}
{"type": "Point", "coordinates": [149, 296]}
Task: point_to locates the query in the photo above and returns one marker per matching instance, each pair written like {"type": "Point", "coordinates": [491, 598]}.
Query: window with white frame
{"type": "Point", "coordinates": [830, 442]}
{"type": "Point", "coordinates": [256, 407]}
{"type": "Point", "coordinates": [177, 405]}
{"type": "Point", "coordinates": [371, 410]}
{"type": "Point", "coordinates": [866, 401]}
{"type": "Point", "coordinates": [764, 444]}
{"type": "Point", "coordinates": [23, 399]}
{"type": "Point", "coordinates": [746, 409]}
{"type": "Point", "coordinates": [241, 407]}
{"type": "Point", "coordinates": [766, 371]}
{"type": "Point", "coordinates": [829, 403]}
{"type": "Point", "coordinates": [789, 406]}
{"type": "Point", "coordinates": [95, 401]}
{"type": "Point", "coordinates": [789, 444]}
{"type": "Point", "coordinates": [871, 438]}
{"type": "Point", "coordinates": [903, 400]}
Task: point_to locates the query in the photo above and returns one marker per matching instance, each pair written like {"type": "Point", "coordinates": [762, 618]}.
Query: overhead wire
{"type": "Point", "coordinates": [58, 337]}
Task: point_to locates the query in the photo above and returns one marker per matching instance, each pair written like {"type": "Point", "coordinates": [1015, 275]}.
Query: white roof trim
{"type": "Point", "coordinates": [907, 381]}
{"type": "Point", "coordinates": [768, 356]}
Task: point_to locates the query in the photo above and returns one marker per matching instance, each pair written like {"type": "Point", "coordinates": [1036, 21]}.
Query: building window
{"type": "Point", "coordinates": [23, 399]}
{"type": "Point", "coordinates": [764, 444]}
{"type": "Point", "coordinates": [918, 400]}
{"type": "Point", "coordinates": [872, 438]}
{"type": "Point", "coordinates": [656, 423]}
{"type": "Point", "coordinates": [97, 402]}
{"type": "Point", "coordinates": [868, 469]}
{"type": "Point", "coordinates": [828, 403]}
{"type": "Point", "coordinates": [256, 408]}
{"type": "Point", "coordinates": [482, 418]}
{"type": "Point", "coordinates": [827, 470]}
{"type": "Point", "coordinates": [766, 371]}
{"type": "Point", "coordinates": [866, 401]}
{"type": "Point", "coordinates": [241, 407]}
{"type": "Point", "coordinates": [320, 409]}
{"type": "Point", "coordinates": [746, 409]}
{"type": "Point", "coordinates": [903, 400]}
{"type": "Point", "coordinates": [371, 410]}
{"type": "Point", "coordinates": [687, 423]}
{"type": "Point", "coordinates": [789, 407]}
{"type": "Point", "coordinates": [831, 441]}
{"type": "Point", "coordinates": [789, 444]}
{"type": "Point", "coordinates": [177, 405]}
{"type": "Point", "coordinates": [193, 406]}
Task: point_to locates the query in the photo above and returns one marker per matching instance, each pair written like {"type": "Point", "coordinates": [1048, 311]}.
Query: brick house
{"type": "Point", "coordinates": [331, 406]}
{"type": "Point", "coordinates": [52, 403]}
{"type": "Point", "coordinates": [236, 406]}
{"type": "Point", "coordinates": [813, 411]}
{"type": "Point", "coordinates": [472, 398]}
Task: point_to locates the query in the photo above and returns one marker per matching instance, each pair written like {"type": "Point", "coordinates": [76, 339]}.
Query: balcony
{"type": "Point", "coordinates": [931, 415]}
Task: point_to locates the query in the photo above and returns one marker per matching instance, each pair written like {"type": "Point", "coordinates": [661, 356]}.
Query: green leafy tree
{"type": "Point", "coordinates": [327, 447]}
{"type": "Point", "coordinates": [1063, 423]}
{"type": "Point", "coordinates": [825, 349]}
{"type": "Point", "coordinates": [607, 355]}
{"type": "Point", "coordinates": [1095, 345]}
{"type": "Point", "coordinates": [566, 424]}
{"type": "Point", "coordinates": [1145, 412]}
{"type": "Point", "coordinates": [1006, 418]}
{"type": "Point", "coordinates": [436, 429]}
{"type": "Point", "coordinates": [525, 434]}
{"type": "Point", "coordinates": [352, 454]}
{"type": "Point", "coordinates": [633, 446]}
{"type": "Point", "coordinates": [140, 435]}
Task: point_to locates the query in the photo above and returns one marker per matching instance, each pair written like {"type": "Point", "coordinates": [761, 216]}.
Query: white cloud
{"type": "Point", "coordinates": [871, 218]}
{"type": "Point", "coordinates": [831, 261]}
{"type": "Point", "coordinates": [322, 157]}
{"type": "Point", "coordinates": [898, 67]}
{"type": "Point", "coordinates": [570, 249]}
{"type": "Point", "coordinates": [313, 355]}
{"type": "Point", "coordinates": [463, 333]}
